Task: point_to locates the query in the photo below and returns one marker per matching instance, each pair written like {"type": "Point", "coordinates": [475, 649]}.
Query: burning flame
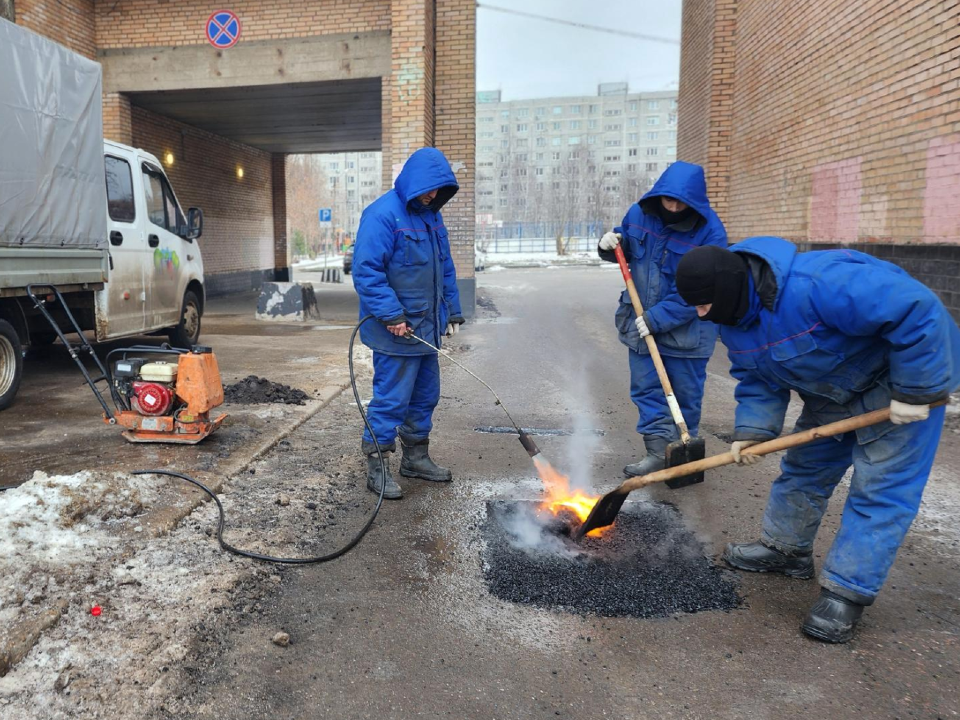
{"type": "Point", "coordinates": [560, 496]}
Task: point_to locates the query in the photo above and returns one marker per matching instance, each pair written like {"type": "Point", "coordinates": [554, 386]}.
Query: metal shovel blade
{"type": "Point", "coordinates": [681, 453]}
{"type": "Point", "coordinates": [603, 514]}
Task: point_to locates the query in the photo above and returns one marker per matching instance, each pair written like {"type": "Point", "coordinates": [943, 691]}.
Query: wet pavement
{"type": "Point", "coordinates": [404, 626]}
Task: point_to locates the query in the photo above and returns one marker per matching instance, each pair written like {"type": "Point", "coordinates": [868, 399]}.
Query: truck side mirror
{"type": "Point", "coordinates": [194, 223]}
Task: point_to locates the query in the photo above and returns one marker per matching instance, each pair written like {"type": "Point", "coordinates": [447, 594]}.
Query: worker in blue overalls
{"type": "Point", "coordinates": [849, 334]}
{"type": "Point", "coordinates": [670, 220]}
{"type": "Point", "coordinates": [404, 274]}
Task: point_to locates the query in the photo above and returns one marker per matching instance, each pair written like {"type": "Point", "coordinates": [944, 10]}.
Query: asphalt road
{"type": "Point", "coordinates": [404, 627]}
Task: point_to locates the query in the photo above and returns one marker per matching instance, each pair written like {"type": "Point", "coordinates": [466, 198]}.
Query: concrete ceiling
{"type": "Point", "coordinates": [321, 117]}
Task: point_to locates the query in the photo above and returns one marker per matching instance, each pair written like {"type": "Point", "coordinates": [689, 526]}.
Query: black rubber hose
{"type": "Point", "coordinates": [298, 561]}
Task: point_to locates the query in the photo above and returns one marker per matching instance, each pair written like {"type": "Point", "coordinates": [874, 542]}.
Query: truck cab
{"type": "Point", "coordinates": [155, 274]}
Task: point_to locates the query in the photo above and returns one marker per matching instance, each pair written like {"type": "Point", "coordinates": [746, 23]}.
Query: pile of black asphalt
{"type": "Point", "coordinates": [253, 390]}
{"type": "Point", "coordinates": [647, 565]}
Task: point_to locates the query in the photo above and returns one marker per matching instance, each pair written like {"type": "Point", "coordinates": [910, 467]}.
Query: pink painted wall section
{"type": "Point", "coordinates": [941, 200]}
{"type": "Point", "coordinates": [835, 202]}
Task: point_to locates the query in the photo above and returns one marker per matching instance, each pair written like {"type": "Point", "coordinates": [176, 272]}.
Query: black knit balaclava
{"type": "Point", "coordinates": [710, 275]}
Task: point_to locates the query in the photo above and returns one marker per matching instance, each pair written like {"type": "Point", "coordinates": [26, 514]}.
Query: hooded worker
{"type": "Point", "coordinates": [849, 334]}
{"type": "Point", "coordinates": [673, 218]}
{"type": "Point", "coordinates": [404, 274]}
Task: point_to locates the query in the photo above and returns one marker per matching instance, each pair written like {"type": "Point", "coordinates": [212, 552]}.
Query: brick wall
{"type": "Point", "coordinates": [238, 228]}
{"type": "Point", "coordinates": [281, 251]}
{"type": "Point", "coordinates": [144, 23]}
{"type": "Point", "coordinates": [456, 121]}
{"type": "Point", "coordinates": [831, 122]}
{"type": "Point", "coordinates": [69, 22]}
{"type": "Point", "coordinates": [117, 118]}
{"type": "Point", "coordinates": [840, 121]}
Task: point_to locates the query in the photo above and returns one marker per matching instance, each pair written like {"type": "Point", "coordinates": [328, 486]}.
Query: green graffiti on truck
{"type": "Point", "coordinates": [166, 260]}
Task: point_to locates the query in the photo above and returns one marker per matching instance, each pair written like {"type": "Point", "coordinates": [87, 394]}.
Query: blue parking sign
{"type": "Point", "coordinates": [326, 215]}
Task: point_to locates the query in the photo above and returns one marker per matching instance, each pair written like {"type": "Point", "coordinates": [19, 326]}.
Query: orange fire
{"type": "Point", "coordinates": [560, 496]}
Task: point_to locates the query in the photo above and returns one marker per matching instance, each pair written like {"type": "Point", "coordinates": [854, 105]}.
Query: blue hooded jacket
{"type": "Point", "coordinates": [838, 327]}
{"type": "Point", "coordinates": [653, 250]}
{"type": "Point", "coordinates": [402, 267]}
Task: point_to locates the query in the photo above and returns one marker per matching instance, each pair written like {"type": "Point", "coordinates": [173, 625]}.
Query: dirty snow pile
{"type": "Point", "coordinates": [75, 542]}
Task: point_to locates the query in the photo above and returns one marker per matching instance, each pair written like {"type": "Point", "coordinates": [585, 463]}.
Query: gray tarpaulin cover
{"type": "Point", "coordinates": [52, 191]}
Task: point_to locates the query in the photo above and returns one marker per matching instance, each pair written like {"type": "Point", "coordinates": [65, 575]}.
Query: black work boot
{"type": "Point", "coordinates": [374, 471]}
{"type": "Point", "coordinates": [832, 618]}
{"type": "Point", "coordinates": [655, 459]}
{"type": "Point", "coordinates": [757, 557]}
{"type": "Point", "coordinates": [416, 462]}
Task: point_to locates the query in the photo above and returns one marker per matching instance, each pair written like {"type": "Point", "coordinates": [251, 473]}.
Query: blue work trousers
{"type": "Point", "coordinates": [889, 474]}
{"type": "Point", "coordinates": [406, 391]}
{"type": "Point", "coordinates": [687, 376]}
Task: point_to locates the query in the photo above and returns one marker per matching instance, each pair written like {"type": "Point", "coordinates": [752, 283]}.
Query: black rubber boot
{"type": "Point", "coordinates": [392, 491]}
{"type": "Point", "coordinates": [832, 618]}
{"type": "Point", "coordinates": [655, 459]}
{"type": "Point", "coordinates": [757, 557]}
{"type": "Point", "coordinates": [416, 462]}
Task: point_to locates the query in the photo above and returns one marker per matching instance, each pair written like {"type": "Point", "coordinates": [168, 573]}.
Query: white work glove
{"type": "Point", "coordinates": [609, 241]}
{"type": "Point", "coordinates": [902, 413]}
{"type": "Point", "coordinates": [642, 327]}
{"type": "Point", "coordinates": [452, 329]}
{"type": "Point", "coordinates": [744, 458]}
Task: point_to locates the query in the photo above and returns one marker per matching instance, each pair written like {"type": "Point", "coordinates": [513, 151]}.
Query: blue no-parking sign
{"type": "Point", "coordinates": [326, 215]}
{"type": "Point", "coordinates": [223, 29]}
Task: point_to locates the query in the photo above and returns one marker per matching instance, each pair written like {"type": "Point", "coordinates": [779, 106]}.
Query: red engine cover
{"type": "Point", "coordinates": [152, 398]}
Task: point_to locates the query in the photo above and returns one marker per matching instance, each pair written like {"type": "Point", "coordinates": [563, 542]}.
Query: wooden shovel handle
{"type": "Point", "coordinates": [652, 347]}
{"type": "Point", "coordinates": [765, 448]}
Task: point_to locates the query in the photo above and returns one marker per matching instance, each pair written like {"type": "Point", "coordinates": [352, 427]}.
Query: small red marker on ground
{"type": "Point", "coordinates": [96, 610]}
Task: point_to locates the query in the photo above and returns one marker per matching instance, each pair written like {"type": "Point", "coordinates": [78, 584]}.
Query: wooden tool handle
{"type": "Point", "coordinates": [765, 448]}
{"type": "Point", "coordinates": [652, 347]}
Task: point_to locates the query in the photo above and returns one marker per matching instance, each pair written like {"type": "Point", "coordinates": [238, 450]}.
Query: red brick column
{"type": "Point", "coordinates": [281, 250]}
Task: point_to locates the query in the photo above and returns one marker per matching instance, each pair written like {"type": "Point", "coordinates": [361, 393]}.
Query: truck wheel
{"type": "Point", "coordinates": [187, 333]}
{"type": "Point", "coordinates": [11, 364]}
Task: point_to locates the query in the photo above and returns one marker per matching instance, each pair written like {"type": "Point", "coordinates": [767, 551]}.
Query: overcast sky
{"type": "Point", "coordinates": [527, 58]}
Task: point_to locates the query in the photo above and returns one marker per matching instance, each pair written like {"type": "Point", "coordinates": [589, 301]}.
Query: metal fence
{"type": "Point", "coordinates": [495, 246]}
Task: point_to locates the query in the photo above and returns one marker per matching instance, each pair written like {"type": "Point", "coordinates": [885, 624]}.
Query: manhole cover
{"type": "Point", "coordinates": [647, 565]}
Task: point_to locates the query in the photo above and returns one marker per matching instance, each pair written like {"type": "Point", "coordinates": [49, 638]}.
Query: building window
{"type": "Point", "coordinates": [632, 167]}
{"type": "Point", "coordinates": [671, 150]}
{"type": "Point", "coordinates": [593, 109]}
{"type": "Point", "coordinates": [555, 156]}
{"type": "Point", "coordinates": [652, 167]}
{"type": "Point", "coordinates": [539, 156]}
{"type": "Point", "coordinates": [523, 142]}
{"type": "Point", "coordinates": [541, 142]}
{"type": "Point", "coordinates": [539, 171]}
{"type": "Point", "coordinates": [504, 188]}
{"type": "Point", "coordinates": [522, 172]}
{"type": "Point", "coordinates": [574, 109]}
{"type": "Point", "coordinates": [574, 124]}
{"type": "Point", "coordinates": [672, 119]}
{"type": "Point", "coordinates": [653, 135]}
{"type": "Point", "coordinates": [632, 152]}
{"type": "Point", "coordinates": [556, 126]}
{"type": "Point", "coordinates": [653, 104]}
{"type": "Point", "coordinates": [591, 124]}
{"type": "Point", "coordinates": [591, 139]}
{"type": "Point", "coordinates": [503, 202]}
{"type": "Point", "coordinates": [611, 127]}
{"type": "Point", "coordinates": [611, 143]}
{"type": "Point", "coordinates": [611, 158]}
{"type": "Point", "coordinates": [505, 113]}
{"type": "Point", "coordinates": [504, 128]}
{"type": "Point", "coordinates": [633, 106]}
{"type": "Point", "coordinates": [521, 127]}
{"type": "Point", "coordinates": [633, 137]}
{"type": "Point", "coordinates": [541, 126]}
{"type": "Point", "coordinates": [633, 122]}
{"type": "Point", "coordinates": [505, 143]}
{"type": "Point", "coordinates": [556, 186]}
{"type": "Point", "coordinates": [652, 151]}
{"type": "Point", "coordinates": [555, 141]}
{"type": "Point", "coordinates": [120, 203]}
{"type": "Point", "coordinates": [523, 112]}
{"type": "Point", "coordinates": [522, 157]}
{"type": "Point", "coordinates": [611, 113]}
{"type": "Point", "coordinates": [573, 140]}
{"type": "Point", "coordinates": [540, 111]}
{"type": "Point", "coordinates": [673, 104]}
{"type": "Point", "coordinates": [672, 135]}
{"type": "Point", "coordinates": [653, 120]}
{"type": "Point", "coordinates": [557, 110]}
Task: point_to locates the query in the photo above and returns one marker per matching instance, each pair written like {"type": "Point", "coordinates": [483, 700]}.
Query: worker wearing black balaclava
{"type": "Point", "coordinates": [667, 222]}
{"type": "Point", "coordinates": [849, 334]}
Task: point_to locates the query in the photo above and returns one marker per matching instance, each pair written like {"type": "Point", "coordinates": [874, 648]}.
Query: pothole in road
{"type": "Point", "coordinates": [647, 565]}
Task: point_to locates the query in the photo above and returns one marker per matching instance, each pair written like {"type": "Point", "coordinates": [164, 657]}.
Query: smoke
{"type": "Point", "coordinates": [585, 441]}
{"type": "Point", "coordinates": [531, 531]}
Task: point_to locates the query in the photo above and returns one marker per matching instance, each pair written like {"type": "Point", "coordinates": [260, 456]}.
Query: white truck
{"type": "Point", "coordinates": [98, 220]}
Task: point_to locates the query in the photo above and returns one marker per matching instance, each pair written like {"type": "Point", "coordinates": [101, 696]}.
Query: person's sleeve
{"type": "Point", "coordinates": [672, 312]}
{"type": "Point", "coordinates": [450, 291]}
{"type": "Point", "coordinates": [372, 251]}
{"type": "Point", "coordinates": [761, 409]}
{"type": "Point", "coordinates": [870, 300]}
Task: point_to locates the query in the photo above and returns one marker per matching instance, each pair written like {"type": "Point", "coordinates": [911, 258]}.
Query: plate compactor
{"type": "Point", "coordinates": [155, 400]}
